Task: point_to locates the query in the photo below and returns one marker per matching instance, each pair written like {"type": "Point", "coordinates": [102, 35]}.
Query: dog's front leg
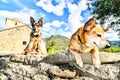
{"type": "Point", "coordinates": [38, 48]}
{"type": "Point", "coordinates": [95, 57]}
{"type": "Point", "coordinates": [42, 47]}
{"type": "Point", "coordinates": [29, 48]}
{"type": "Point", "coordinates": [77, 57]}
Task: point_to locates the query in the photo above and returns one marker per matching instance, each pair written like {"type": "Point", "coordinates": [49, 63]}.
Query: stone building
{"type": "Point", "coordinates": [15, 37]}
{"type": "Point", "coordinates": [13, 22]}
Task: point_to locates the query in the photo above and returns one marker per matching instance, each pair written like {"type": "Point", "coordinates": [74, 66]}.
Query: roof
{"type": "Point", "coordinates": [15, 19]}
{"type": "Point", "coordinates": [15, 27]}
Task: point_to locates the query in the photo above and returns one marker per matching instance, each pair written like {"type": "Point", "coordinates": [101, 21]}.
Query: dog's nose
{"type": "Point", "coordinates": [107, 46]}
{"type": "Point", "coordinates": [34, 30]}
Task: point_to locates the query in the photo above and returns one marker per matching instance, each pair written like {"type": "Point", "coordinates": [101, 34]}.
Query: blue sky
{"type": "Point", "coordinates": [61, 17]}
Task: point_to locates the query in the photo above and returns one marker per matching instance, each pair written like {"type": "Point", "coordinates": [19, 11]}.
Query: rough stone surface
{"type": "Point", "coordinates": [105, 72]}
{"type": "Point", "coordinates": [34, 67]}
{"type": "Point", "coordinates": [104, 57]}
{"type": "Point", "coordinates": [62, 72]}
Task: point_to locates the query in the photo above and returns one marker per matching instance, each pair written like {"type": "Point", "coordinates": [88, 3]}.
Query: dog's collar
{"type": "Point", "coordinates": [80, 43]}
{"type": "Point", "coordinates": [79, 38]}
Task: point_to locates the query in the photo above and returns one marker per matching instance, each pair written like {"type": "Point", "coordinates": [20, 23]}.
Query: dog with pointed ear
{"type": "Point", "coordinates": [36, 44]}
{"type": "Point", "coordinates": [36, 26]}
{"type": "Point", "coordinates": [88, 38]}
{"type": "Point", "coordinates": [89, 25]}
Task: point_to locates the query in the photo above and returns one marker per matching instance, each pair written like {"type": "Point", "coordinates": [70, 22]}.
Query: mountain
{"type": "Point", "coordinates": [115, 43]}
{"type": "Point", "coordinates": [60, 43]}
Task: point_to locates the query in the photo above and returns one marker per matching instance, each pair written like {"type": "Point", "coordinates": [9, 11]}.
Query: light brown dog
{"type": "Point", "coordinates": [88, 38]}
{"type": "Point", "coordinates": [36, 44]}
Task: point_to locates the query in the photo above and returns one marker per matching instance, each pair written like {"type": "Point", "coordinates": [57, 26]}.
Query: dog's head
{"type": "Point", "coordinates": [93, 35]}
{"type": "Point", "coordinates": [36, 26]}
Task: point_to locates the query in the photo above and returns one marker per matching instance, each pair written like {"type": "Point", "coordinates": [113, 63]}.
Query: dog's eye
{"type": "Point", "coordinates": [99, 35]}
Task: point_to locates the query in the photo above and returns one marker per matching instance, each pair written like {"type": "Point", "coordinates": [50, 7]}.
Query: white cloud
{"type": "Point", "coordinates": [46, 27]}
{"type": "Point", "coordinates": [111, 35]}
{"type": "Point", "coordinates": [53, 31]}
{"type": "Point", "coordinates": [73, 19]}
{"type": "Point", "coordinates": [49, 7]}
{"type": "Point", "coordinates": [5, 1]}
{"type": "Point", "coordinates": [72, 7]}
{"type": "Point", "coordinates": [57, 23]}
{"type": "Point", "coordinates": [50, 29]}
{"type": "Point", "coordinates": [74, 16]}
{"type": "Point", "coordinates": [19, 4]}
{"type": "Point", "coordinates": [23, 15]}
{"type": "Point", "coordinates": [45, 34]}
{"type": "Point", "coordinates": [54, 24]}
{"type": "Point", "coordinates": [64, 33]}
{"type": "Point", "coordinates": [2, 22]}
{"type": "Point", "coordinates": [74, 12]}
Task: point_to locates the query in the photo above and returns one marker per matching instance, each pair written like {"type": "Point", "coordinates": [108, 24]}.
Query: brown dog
{"type": "Point", "coordinates": [88, 38]}
{"type": "Point", "coordinates": [36, 44]}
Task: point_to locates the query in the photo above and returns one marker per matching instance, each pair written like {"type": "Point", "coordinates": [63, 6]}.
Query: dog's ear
{"type": "Point", "coordinates": [32, 21]}
{"type": "Point", "coordinates": [89, 24]}
{"type": "Point", "coordinates": [41, 21]}
{"type": "Point", "coordinates": [105, 29]}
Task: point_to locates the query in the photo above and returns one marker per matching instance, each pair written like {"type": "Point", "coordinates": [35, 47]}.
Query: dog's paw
{"type": "Point", "coordinates": [79, 63]}
{"type": "Point", "coordinates": [97, 64]}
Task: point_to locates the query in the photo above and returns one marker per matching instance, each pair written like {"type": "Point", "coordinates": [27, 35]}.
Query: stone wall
{"type": "Point", "coordinates": [43, 67]}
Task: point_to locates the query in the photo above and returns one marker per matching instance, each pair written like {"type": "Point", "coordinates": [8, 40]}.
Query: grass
{"type": "Point", "coordinates": [112, 50]}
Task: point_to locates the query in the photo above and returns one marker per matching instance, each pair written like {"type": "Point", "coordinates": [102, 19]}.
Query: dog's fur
{"type": "Point", "coordinates": [88, 38]}
{"type": "Point", "coordinates": [36, 44]}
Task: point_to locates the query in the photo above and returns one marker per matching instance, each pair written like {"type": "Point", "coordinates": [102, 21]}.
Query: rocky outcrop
{"type": "Point", "coordinates": [56, 67]}
{"type": "Point", "coordinates": [66, 58]}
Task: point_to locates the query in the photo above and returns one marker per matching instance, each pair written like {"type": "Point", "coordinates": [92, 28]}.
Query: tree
{"type": "Point", "coordinates": [107, 12]}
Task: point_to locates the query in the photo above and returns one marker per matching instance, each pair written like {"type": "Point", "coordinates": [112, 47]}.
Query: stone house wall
{"type": "Point", "coordinates": [14, 40]}
{"type": "Point", "coordinates": [13, 22]}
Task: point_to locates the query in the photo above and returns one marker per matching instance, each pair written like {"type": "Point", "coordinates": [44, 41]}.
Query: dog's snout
{"type": "Point", "coordinates": [107, 46]}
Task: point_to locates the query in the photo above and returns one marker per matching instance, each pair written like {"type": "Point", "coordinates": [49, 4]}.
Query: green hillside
{"type": "Point", "coordinates": [56, 44]}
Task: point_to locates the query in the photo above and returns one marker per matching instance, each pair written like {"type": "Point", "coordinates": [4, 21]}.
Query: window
{"type": "Point", "coordinates": [16, 24]}
{"type": "Point", "coordinates": [24, 42]}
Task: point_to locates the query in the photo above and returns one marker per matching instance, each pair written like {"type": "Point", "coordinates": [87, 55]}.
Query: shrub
{"type": "Point", "coordinates": [112, 49]}
{"type": "Point", "coordinates": [52, 48]}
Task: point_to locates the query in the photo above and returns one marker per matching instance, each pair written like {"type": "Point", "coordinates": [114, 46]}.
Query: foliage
{"type": "Point", "coordinates": [51, 48]}
{"type": "Point", "coordinates": [106, 8]}
{"type": "Point", "coordinates": [112, 49]}
{"type": "Point", "coordinates": [107, 11]}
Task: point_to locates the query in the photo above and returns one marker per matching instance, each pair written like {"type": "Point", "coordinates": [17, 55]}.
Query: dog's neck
{"type": "Point", "coordinates": [80, 40]}
{"type": "Point", "coordinates": [35, 36]}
